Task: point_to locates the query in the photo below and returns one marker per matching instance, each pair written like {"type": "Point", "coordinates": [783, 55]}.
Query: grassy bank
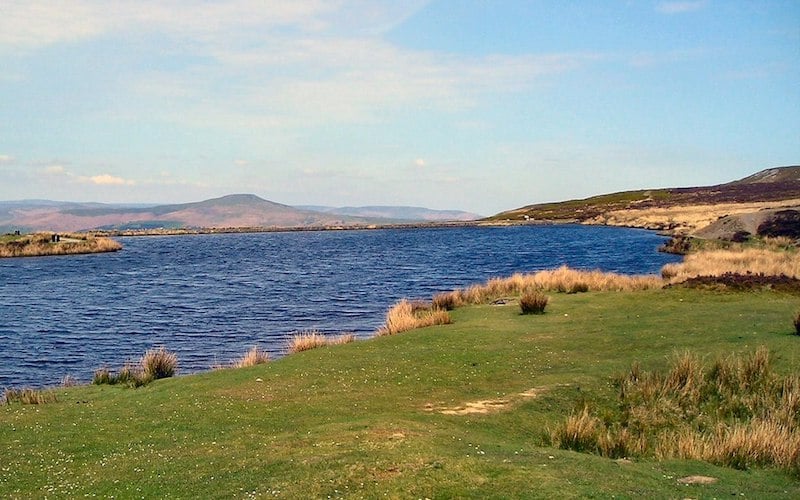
{"type": "Point", "coordinates": [41, 244]}
{"type": "Point", "coordinates": [465, 409]}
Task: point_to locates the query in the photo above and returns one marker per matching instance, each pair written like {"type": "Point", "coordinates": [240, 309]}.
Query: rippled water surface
{"type": "Point", "coordinates": [210, 297]}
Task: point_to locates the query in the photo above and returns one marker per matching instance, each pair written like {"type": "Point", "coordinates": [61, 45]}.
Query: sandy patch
{"type": "Point", "coordinates": [698, 480]}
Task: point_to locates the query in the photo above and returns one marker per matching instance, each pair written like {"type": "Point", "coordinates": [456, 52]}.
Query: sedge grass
{"type": "Point", "coordinates": [737, 413]}
{"type": "Point", "coordinates": [406, 315]}
{"type": "Point", "coordinates": [153, 365]}
{"type": "Point", "coordinates": [562, 279]}
{"type": "Point", "coordinates": [740, 260]}
{"type": "Point", "coordinates": [29, 396]}
{"type": "Point", "coordinates": [254, 356]}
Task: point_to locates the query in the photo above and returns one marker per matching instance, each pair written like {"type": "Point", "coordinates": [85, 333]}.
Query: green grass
{"type": "Point", "coordinates": [366, 419]}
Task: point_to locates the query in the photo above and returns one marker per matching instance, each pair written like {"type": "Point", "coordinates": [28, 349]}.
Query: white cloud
{"type": "Point", "coordinates": [420, 162]}
{"type": "Point", "coordinates": [107, 180]}
{"type": "Point", "coordinates": [6, 159]}
{"type": "Point", "coordinates": [679, 7]}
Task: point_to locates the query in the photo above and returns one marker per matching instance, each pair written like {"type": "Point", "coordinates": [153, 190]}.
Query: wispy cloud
{"type": "Point", "coordinates": [680, 7]}
{"type": "Point", "coordinates": [55, 170]}
{"type": "Point", "coordinates": [36, 23]}
{"type": "Point", "coordinates": [60, 170]}
{"type": "Point", "coordinates": [6, 159]}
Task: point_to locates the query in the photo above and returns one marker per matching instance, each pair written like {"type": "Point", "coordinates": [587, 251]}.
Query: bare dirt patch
{"type": "Point", "coordinates": [488, 405]}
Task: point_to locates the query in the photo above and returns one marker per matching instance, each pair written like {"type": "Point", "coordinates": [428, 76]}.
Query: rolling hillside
{"type": "Point", "coordinates": [683, 210]}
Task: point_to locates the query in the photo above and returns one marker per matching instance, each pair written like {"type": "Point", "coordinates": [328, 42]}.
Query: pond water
{"type": "Point", "coordinates": [209, 298]}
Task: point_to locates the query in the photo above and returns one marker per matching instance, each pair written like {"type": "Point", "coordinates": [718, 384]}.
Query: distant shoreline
{"type": "Point", "coordinates": [290, 229]}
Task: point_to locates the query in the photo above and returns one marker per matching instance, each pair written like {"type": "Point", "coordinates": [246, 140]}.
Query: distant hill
{"type": "Point", "coordinates": [233, 211]}
{"type": "Point", "coordinates": [678, 209]}
{"type": "Point", "coordinates": [402, 214]}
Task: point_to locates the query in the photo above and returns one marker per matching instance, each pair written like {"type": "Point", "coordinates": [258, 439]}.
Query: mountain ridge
{"type": "Point", "coordinates": [230, 211]}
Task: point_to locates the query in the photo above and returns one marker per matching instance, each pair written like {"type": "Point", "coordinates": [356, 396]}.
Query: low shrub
{"type": "Point", "coordinates": [533, 302]}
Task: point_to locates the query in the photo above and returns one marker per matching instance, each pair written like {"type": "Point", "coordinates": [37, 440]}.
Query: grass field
{"type": "Point", "coordinates": [460, 410]}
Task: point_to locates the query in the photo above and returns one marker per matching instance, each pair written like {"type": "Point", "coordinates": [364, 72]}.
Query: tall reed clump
{"type": "Point", "coordinates": [735, 412]}
{"type": "Point", "coordinates": [153, 365]}
{"type": "Point", "coordinates": [533, 302]}
{"type": "Point", "coordinates": [561, 280]}
{"type": "Point", "coordinates": [305, 341]}
{"type": "Point", "coordinates": [767, 261]}
{"type": "Point", "coordinates": [159, 363]}
{"type": "Point", "coordinates": [29, 396]}
{"type": "Point", "coordinates": [407, 315]}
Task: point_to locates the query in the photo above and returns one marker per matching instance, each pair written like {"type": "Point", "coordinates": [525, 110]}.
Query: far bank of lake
{"type": "Point", "coordinates": [210, 297]}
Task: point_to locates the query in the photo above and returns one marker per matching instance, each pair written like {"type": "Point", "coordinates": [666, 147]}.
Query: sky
{"type": "Point", "coordinates": [475, 105]}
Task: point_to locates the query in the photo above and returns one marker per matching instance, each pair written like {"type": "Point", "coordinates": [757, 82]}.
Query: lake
{"type": "Point", "coordinates": [209, 298]}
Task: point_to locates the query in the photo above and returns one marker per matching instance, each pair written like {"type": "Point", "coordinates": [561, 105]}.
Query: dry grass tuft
{"type": "Point", "coordinates": [579, 432]}
{"type": "Point", "coordinates": [406, 315]}
{"type": "Point", "coordinates": [254, 356]}
{"type": "Point", "coordinates": [305, 341]}
{"type": "Point", "coordinates": [737, 413]}
{"type": "Point", "coordinates": [345, 338]}
{"type": "Point", "coordinates": [769, 262]}
{"type": "Point", "coordinates": [28, 396]}
{"type": "Point", "coordinates": [159, 363]}
{"type": "Point", "coordinates": [533, 302]}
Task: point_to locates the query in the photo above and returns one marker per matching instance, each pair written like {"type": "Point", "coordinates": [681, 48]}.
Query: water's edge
{"type": "Point", "coordinates": [211, 297]}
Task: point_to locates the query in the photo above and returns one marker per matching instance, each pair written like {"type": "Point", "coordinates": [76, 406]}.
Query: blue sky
{"type": "Point", "coordinates": [464, 104]}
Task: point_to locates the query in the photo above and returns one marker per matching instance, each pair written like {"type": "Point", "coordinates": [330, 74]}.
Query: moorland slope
{"type": "Point", "coordinates": [749, 202]}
